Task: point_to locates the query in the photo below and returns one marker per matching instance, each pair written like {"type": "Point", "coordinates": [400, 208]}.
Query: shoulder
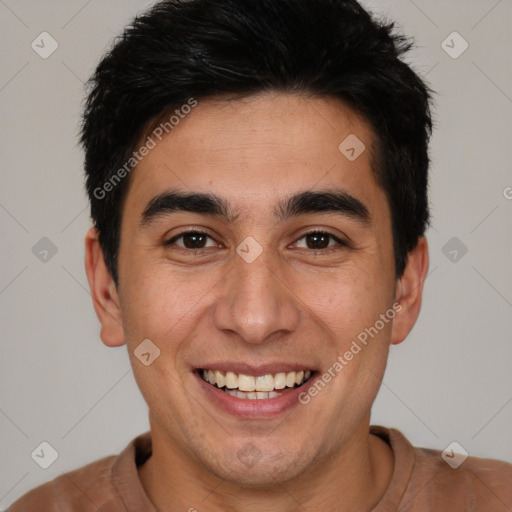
{"type": "Point", "coordinates": [85, 489]}
{"type": "Point", "coordinates": [425, 479]}
{"type": "Point", "coordinates": [479, 484]}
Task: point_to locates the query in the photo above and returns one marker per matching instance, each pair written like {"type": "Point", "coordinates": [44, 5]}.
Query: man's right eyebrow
{"type": "Point", "coordinates": [194, 202]}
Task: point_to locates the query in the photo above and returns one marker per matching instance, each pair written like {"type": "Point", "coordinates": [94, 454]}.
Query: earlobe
{"type": "Point", "coordinates": [409, 291]}
{"type": "Point", "coordinates": [103, 291]}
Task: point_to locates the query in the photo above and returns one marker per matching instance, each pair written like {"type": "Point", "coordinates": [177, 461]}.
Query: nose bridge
{"type": "Point", "coordinates": [255, 303]}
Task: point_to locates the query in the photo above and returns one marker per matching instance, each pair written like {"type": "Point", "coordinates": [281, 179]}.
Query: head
{"type": "Point", "coordinates": [253, 124]}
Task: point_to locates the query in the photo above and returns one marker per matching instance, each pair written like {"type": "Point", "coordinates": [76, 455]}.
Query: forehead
{"type": "Point", "coordinates": [254, 150]}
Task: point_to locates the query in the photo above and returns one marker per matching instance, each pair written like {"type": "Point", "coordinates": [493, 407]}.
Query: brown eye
{"type": "Point", "coordinates": [320, 240]}
{"type": "Point", "coordinates": [191, 240]}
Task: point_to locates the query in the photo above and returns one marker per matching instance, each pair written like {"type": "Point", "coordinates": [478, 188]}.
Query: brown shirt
{"type": "Point", "coordinates": [422, 481]}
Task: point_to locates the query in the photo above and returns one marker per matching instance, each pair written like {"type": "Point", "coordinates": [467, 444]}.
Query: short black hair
{"type": "Point", "coordinates": [183, 50]}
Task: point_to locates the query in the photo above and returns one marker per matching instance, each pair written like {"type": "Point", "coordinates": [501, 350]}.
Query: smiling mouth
{"type": "Point", "coordinates": [251, 387]}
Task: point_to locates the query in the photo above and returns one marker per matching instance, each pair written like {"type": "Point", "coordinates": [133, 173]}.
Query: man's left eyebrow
{"type": "Point", "coordinates": [301, 203]}
{"type": "Point", "coordinates": [323, 201]}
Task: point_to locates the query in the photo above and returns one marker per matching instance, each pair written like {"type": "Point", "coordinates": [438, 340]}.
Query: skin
{"type": "Point", "coordinates": [291, 304]}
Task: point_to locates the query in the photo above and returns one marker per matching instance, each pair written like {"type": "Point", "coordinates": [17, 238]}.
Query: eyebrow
{"type": "Point", "coordinates": [322, 201]}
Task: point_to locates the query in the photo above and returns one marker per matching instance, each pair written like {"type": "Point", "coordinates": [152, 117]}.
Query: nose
{"type": "Point", "coordinates": [256, 304]}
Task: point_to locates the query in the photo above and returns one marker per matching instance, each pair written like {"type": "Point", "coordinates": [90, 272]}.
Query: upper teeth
{"type": "Point", "coordinates": [266, 382]}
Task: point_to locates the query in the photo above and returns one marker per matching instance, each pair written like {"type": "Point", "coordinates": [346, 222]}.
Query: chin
{"type": "Point", "coordinates": [258, 464]}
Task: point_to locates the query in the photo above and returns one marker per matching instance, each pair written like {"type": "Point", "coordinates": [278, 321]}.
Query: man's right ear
{"type": "Point", "coordinates": [103, 291]}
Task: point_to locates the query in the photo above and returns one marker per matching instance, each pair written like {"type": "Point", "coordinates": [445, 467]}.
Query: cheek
{"type": "Point", "coordinates": [169, 308]}
{"type": "Point", "coordinates": [350, 312]}
{"type": "Point", "coordinates": [349, 302]}
{"type": "Point", "coordinates": [155, 298]}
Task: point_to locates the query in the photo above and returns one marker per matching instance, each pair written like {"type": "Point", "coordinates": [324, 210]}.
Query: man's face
{"type": "Point", "coordinates": [214, 302]}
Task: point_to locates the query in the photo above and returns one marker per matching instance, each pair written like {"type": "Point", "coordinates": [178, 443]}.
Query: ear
{"type": "Point", "coordinates": [103, 292]}
{"type": "Point", "coordinates": [409, 291]}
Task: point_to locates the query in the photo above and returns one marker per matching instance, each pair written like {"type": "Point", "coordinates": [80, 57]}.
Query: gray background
{"type": "Point", "coordinates": [451, 380]}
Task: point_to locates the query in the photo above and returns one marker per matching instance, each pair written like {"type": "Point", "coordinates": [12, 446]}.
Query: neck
{"type": "Point", "coordinates": [355, 478]}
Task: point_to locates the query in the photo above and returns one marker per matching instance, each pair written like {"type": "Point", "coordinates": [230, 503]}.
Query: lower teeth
{"type": "Point", "coordinates": [251, 395]}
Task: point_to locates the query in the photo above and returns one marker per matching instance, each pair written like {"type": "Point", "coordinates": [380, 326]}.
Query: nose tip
{"type": "Point", "coordinates": [256, 304]}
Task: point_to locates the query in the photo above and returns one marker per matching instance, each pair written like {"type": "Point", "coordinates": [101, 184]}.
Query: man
{"type": "Point", "coordinates": [257, 173]}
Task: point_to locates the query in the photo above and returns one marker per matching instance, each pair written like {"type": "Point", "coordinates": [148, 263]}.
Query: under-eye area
{"type": "Point", "coordinates": [260, 387]}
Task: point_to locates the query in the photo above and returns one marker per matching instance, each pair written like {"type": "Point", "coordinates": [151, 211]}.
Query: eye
{"type": "Point", "coordinates": [192, 240]}
{"type": "Point", "coordinates": [319, 240]}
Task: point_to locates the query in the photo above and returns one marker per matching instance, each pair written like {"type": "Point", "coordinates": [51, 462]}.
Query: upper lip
{"type": "Point", "coordinates": [255, 370]}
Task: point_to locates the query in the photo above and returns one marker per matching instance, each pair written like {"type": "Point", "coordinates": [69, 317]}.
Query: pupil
{"type": "Point", "coordinates": [193, 236]}
{"type": "Point", "coordinates": [317, 236]}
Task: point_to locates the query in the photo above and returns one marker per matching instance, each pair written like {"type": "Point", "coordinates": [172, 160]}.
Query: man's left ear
{"type": "Point", "coordinates": [409, 291]}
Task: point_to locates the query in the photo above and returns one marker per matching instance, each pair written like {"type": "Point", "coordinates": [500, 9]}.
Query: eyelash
{"type": "Point", "coordinates": [340, 243]}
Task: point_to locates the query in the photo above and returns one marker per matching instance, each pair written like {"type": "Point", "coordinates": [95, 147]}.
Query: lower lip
{"type": "Point", "coordinates": [258, 408]}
